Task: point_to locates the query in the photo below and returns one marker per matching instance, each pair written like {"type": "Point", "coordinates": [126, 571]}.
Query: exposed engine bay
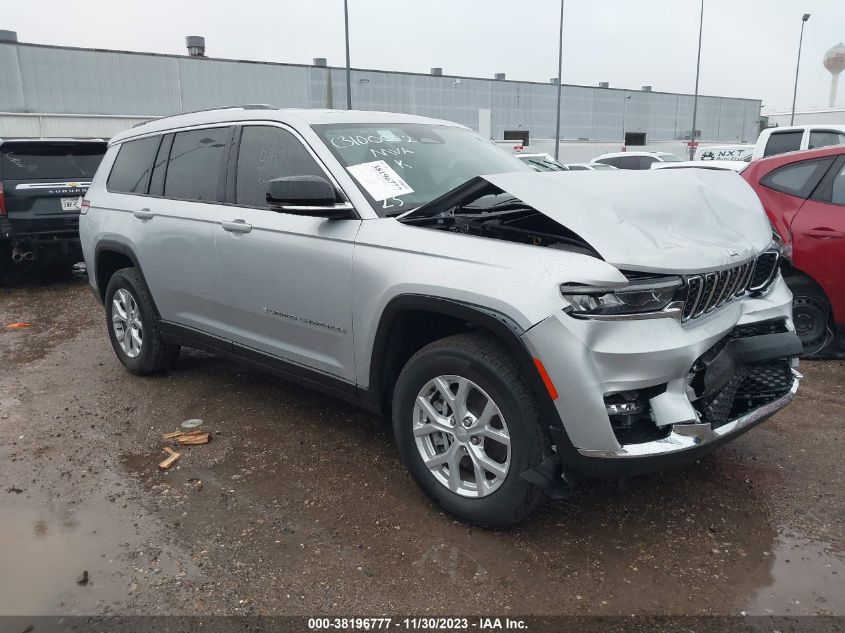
{"type": "Point", "coordinates": [480, 208]}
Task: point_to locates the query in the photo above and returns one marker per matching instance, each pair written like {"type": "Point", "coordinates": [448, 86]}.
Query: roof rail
{"type": "Point", "coordinates": [248, 106]}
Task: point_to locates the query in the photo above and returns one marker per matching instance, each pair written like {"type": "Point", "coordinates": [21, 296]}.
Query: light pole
{"type": "Point", "coordinates": [348, 69]}
{"type": "Point", "coordinates": [697, 73]}
{"type": "Point", "coordinates": [804, 19]}
{"type": "Point", "coordinates": [559, 82]}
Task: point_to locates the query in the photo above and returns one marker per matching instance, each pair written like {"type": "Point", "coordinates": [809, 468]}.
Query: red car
{"type": "Point", "coordinates": [804, 196]}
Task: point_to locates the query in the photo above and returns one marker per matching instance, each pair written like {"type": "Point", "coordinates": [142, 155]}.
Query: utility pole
{"type": "Point", "coordinates": [804, 19]}
{"type": "Point", "coordinates": [348, 69]}
{"type": "Point", "coordinates": [559, 82]}
{"type": "Point", "coordinates": [692, 142]}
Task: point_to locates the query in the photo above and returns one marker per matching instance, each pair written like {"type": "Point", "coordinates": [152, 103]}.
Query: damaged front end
{"type": "Point", "coordinates": [697, 344]}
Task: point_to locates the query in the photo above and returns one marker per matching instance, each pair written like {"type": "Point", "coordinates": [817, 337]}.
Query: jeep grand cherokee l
{"type": "Point", "coordinates": [41, 183]}
{"type": "Point", "coordinates": [523, 329]}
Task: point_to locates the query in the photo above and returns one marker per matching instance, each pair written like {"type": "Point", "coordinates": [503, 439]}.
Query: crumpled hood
{"type": "Point", "coordinates": [666, 220]}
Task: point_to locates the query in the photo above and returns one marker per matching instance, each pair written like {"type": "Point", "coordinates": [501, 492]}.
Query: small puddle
{"type": "Point", "coordinates": [43, 552]}
{"type": "Point", "coordinates": [808, 578]}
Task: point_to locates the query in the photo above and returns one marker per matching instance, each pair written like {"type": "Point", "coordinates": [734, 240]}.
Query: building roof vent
{"type": "Point", "coordinates": [321, 62]}
{"type": "Point", "coordinates": [196, 45]}
{"type": "Point", "coordinates": [646, 88]}
{"type": "Point", "coordinates": [499, 76]}
{"type": "Point", "coordinates": [437, 72]}
{"type": "Point", "coordinates": [8, 36]}
{"type": "Point", "coordinates": [604, 84]}
{"type": "Point", "coordinates": [554, 81]}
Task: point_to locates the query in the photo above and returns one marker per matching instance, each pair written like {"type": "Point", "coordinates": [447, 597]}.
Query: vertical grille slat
{"type": "Point", "coordinates": [695, 285]}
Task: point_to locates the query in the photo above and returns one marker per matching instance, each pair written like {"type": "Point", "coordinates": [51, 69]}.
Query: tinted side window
{"type": "Point", "coordinates": [825, 138]}
{"type": "Point", "coordinates": [133, 166]}
{"type": "Point", "coordinates": [267, 153]}
{"type": "Point", "coordinates": [196, 163]}
{"type": "Point", "coordinates": [629, 162]}
{"type": "Point", "coordinates": [798, 179]}
{"type": "Point", "coordinates": [646, 161]}
{"type": "Point", "coordinates": [781, 142]}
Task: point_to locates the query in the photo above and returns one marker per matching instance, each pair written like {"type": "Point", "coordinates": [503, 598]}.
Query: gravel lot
{"type": "Point", "coordinates": [304, 508]}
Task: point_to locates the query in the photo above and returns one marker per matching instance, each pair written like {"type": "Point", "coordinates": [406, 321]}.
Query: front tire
{"type": "Point", "coordinates": [133, 327]}
{"type": "Point", "coordinates": [467, 426]}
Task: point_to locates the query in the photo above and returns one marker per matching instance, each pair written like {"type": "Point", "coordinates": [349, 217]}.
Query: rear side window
{"type": "Point", "coordinates": [267, 153]}
{"type": "Point", "coordinates": [196, 164]}
{"type": "Point", "coordinates": [798, 179]}
{"type": "Point", "coordinates": [634, 162]}
{"type": "Point", "coordinates": [825, 138]}
{"type": "Point", "coordinates": [51, 160]}
{"type": "Point", "coordinates": [133, 166]}
{"type": "Point", "coordinates": [782, 142]}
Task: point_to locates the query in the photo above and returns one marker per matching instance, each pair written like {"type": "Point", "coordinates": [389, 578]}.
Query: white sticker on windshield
{"type": "Point", "coordinates": [380, 181]}
{"type": "Point", "coordinates": [389, 136]}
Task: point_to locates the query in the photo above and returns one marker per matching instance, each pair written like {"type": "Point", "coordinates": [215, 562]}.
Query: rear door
{"type": "Point", "coordinates": [288, 278]}
{"type": "Point", "coordinates": [173, 186]}
{"type": "Point", "coordinates": [784, 190]}
{"type": "Point", "coordinates": [42, 182]}
{"type": "Point", "coordinates": [818, 232]}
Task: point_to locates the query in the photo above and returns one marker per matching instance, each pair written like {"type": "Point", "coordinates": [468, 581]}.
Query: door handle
{"type": "Point", "coordinates": [144, 214]}
{"type": "Point", "coordinates": [823, 232]}
{"type": "Point", "coordinates": [236, 226]}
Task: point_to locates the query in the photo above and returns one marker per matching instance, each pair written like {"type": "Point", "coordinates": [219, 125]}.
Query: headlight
{"type": "Point", "coordinates": [642, 299]}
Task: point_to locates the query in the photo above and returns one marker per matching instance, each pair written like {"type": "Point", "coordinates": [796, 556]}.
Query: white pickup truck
{"type": "Point", "coordinates": [777, 140]}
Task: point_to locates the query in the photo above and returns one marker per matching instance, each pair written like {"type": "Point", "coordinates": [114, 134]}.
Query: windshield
{"type": "Point", "coordinates": [27, 160]}
{"type": "Point", "coordinates": [401, 166]}
{"type": "Point", "coordinates": [670, 158]}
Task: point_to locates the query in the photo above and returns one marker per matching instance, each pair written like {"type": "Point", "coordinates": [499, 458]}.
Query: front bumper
{"type": "Point", "coordinates": [683, 437]}
{"type": "Point", "coordinates": [587, 360]}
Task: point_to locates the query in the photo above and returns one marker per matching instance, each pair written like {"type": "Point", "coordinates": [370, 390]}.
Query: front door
{"type": "Point", "coordinates": [288, 278]}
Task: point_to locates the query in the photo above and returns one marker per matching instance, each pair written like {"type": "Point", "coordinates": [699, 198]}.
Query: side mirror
{"type": "Point", "coordinates": [306, 195]}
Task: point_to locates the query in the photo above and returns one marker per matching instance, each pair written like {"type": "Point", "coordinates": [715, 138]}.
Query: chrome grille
{"type": "Point", "coordinates": [763, 270]}
{"type": "Point", "coordinates": [709, 291]}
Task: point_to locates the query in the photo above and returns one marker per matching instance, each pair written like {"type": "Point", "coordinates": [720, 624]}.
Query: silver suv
{"type": "Point", "coordinates": [523, 329]}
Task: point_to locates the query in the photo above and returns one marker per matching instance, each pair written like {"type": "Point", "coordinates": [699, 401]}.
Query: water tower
{"type": "Point", "coordinates": [834, 61]}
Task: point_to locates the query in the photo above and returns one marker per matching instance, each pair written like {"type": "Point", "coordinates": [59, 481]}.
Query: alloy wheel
{"type": "Point", "coordinates": [461, 436]}
{"type": "Point", "coordinates": [126, 322]}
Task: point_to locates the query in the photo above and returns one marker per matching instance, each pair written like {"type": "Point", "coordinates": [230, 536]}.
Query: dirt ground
{"type": "Point", "coordinates": [300, 504]}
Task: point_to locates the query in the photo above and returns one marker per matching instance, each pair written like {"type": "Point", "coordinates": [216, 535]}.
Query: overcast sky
{"type": "Point", "coordinates": [749, 47]}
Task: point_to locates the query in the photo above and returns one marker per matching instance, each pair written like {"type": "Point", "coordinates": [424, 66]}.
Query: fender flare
{"type": "Point", "coordinates": [123, 249]}
{"type": "Point", "coordinates": [504, 328]}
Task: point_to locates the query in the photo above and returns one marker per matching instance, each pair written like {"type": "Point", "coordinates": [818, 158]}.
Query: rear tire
{"type": "Point", "coordinates": [493, 498]}
{"type": "Point", "coordinates": [133, 327]}
{"type": "Point", "coordinates": [811, 314]}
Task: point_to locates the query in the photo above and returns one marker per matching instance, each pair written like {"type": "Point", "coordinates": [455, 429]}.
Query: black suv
{"type": "Point", "coordinates": [41, 185]}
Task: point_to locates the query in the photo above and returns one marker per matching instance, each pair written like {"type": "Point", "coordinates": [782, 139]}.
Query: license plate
{"type": "Point", "coordinates": [70, 204]}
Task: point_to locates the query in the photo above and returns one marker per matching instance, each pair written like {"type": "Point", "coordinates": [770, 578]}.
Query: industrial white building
{"type": "Point", "coordinates": [62, 91]}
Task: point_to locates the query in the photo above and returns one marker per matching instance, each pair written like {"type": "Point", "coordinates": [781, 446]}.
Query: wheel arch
{"type": "Point", "coordinates": [396, 340]}
{"type": "Point", "coordinates": [109, 257]}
